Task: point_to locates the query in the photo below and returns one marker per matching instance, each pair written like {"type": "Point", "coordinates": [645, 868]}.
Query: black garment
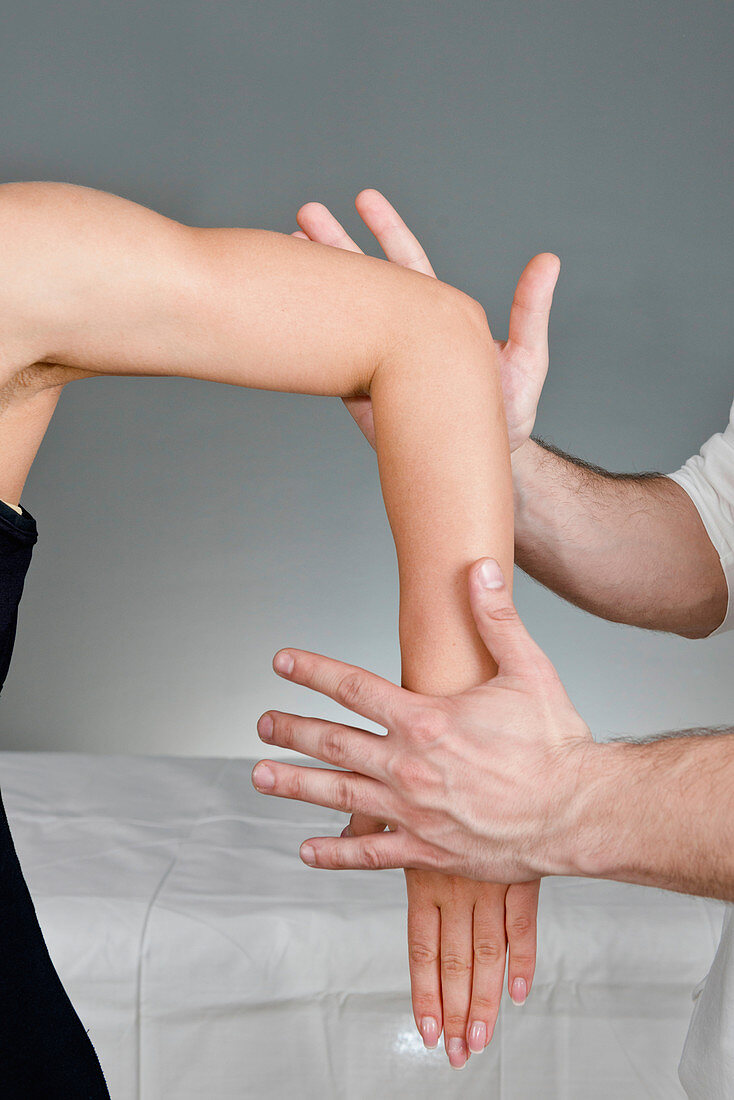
{"type": "Point", "coordinates": [45, 1053]}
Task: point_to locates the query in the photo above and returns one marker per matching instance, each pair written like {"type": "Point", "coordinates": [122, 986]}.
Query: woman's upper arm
{"type": "Point", "coordinates": [73, 259]}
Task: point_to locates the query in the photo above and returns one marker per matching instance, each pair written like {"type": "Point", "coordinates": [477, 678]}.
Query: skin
{"type": "Point", "coordinates": [435, 901]}
{"type": "Point", "coordinates": [616, 521]}
{"type": "Point", "coordinates": [458, 778]}
{"type": "Point", "coordinates": [93, 284]}
{"type": "Point", "coordinates": [590, 536]}
{"type": "Point", "coordinates": [655, 813]}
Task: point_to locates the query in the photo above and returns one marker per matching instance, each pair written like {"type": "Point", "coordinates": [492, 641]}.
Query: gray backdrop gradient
{"type": "Point", "coordinates": [188, 530]}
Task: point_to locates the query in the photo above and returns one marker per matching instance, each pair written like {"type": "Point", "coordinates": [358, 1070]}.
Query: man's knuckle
{"type": "Point", "coordinates": [505, 613]}
{"type": "Point", "coordinates": [350, 689]}
{"type": "Point", "coordinates": [285, 732]}
{"type": "Point", "coordinates": [333, 746]}
{"type": "Point", "coordinates": [407, 771]}
{"type": "Point", "coordinates": [340, 857]}
{"type": "Point", "coordinates": [343, 795]}
{"type": "Point", "coordinates": [294, 784]}
{"type": "Point", "coordinates": [428, 724]}
{"type": "Point", "coordinates": [371, 857]}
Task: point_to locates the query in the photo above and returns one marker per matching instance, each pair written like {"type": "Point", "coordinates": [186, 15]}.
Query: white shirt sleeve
{"type": "Point", "coordinates": [708, 478]}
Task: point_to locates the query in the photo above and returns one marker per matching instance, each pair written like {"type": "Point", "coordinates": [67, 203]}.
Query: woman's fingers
{"type": "Point", "coordinates": [424, 955]}
{"type": "Point", "coordinates": [320, 225]}
{"type": "Point", "coordinates": [345, 746]}
{"type": "Point", "coordinates": [336, 790]}
{"type": "Point", "coordinates": [521, 923]}
{"type": "Point", "coordinates": [489, 965]}
{"type": "Point", "coordinates": [457, 958]}
{"type": "Point", "coordinates": [396, 240]}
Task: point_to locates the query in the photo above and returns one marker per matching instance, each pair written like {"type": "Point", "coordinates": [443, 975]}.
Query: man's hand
{"type": "Point", "coordinates": [522, 358]}
{"type": "Point", "coordinates": [479, 784]}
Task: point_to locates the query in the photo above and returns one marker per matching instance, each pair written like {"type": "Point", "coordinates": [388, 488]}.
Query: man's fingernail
{"type": "Point", "coordinates": [429, 1031]}
{"type": "Point", "coordinates": [265, 728]}
{"type": "Point", "coordinates": [519, 991]}
{"type": "Point", "coordinates": [308, 854]}
{"type": "Point", "coordinates": [490, 574]}
{"type": "Point", "coordinates": [477, 1037]}
{"type": "Point", "coordinates": [263, 778]}
{"type": "Point", "coordinates": [283, 663]}
{"type": "Point", "coordinates": [456, 1051]}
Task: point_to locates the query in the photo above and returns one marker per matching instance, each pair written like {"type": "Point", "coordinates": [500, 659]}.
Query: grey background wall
{"type": "Point", "coordinates": [189, 530]}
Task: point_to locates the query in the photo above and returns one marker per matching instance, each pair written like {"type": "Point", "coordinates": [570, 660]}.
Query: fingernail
{"type": "Point", "coordinates": [477, 1037]}
{"type": "Point", "coordinates": [308, 854]}
{"type": "Point", "coordinates": [265, 728]}
{"type": "Point", "coordinates": [346, 831]}
{"type": "Point", "coordinates": [457, 1053]}
{"type": "Point", "coordinates": [263, 778]}
{"type": "Point", "coordinates": [519, 991]}
{"type": "Point", "coordinates": [490, 574]}
{"type": "Point", "coordinates": [283, 663]}
{"type": "Point", "coordinates": [429, 1031]}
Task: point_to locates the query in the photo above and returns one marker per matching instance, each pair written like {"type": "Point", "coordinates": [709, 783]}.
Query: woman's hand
{"type": "Point", "coordinates": [458, 934]}
{"type": "Point", "coordinates": [522, 358]}
{"type": "Point", "coordinates": [484, 784]}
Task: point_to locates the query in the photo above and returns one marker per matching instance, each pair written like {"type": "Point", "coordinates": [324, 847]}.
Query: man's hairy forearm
{"type": "Point", "coordinates": [627, 547]}
{"type": "Point", "coordinates": [658, 813]}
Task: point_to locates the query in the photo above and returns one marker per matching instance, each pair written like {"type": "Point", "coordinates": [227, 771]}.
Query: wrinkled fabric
{"type": "Point", "coordinates": [708, 479]}
{"type": "Point", "coordinates": [707, 1064]}
{"type": "Point", "coordinates": [209, 962]}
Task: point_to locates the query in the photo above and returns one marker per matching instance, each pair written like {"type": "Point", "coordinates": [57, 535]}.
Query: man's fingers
{"type": "Point", "coordinates": [320, 225]}
{"type": "Point", "coordinates": [376, 852]}
{"type": "Point", "coordinates": [490, 949]}
{"type": "Point", "coordinates": [336, 790]}
{"type": "Point", "coordinates": [499, 624]}
{"type": "Point", "coordinates": [532, 304]}
{"type": "Point", "coordinates": [424, 958]}
{"type": "Point", "coordinates": [521, 913]}
{"type": "Point", "coordinates": [355, 688]}
{"type": "Point", "coordinates": [396, 240]}
{"type": "Point", "coordinates": [301, 235]}
{"type": "Point", "coordinates": [345, 746]}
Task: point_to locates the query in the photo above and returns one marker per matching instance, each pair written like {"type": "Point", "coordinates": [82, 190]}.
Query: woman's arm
{"type": "Point", "coordinates": [96, 283]}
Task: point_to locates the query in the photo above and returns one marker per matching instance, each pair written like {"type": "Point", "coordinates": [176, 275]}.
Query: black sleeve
{"type": "Point", "coordinates": [18, 536]}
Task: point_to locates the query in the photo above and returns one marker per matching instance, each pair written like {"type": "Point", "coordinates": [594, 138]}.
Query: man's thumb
{"type": "Point", "coordinates": [498, 623]}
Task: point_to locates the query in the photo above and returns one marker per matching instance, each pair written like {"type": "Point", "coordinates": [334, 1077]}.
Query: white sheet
{"type": "Point", "coordinates": [208, 962]}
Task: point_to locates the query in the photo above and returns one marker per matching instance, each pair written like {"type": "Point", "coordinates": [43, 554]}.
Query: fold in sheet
{"type": "Point", "coordinates": [208, 962]}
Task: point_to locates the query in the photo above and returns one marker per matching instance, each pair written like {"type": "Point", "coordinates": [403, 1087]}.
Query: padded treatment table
{"type": "Point", "coordinates": [207, 962]}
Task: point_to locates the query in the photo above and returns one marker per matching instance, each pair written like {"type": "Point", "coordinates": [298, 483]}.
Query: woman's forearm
{"type": "Point", "coordinates": [97, 283]}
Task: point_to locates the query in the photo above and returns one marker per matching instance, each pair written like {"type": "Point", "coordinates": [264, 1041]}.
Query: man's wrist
{"type": "Point", "coordinates": [586, 837]}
